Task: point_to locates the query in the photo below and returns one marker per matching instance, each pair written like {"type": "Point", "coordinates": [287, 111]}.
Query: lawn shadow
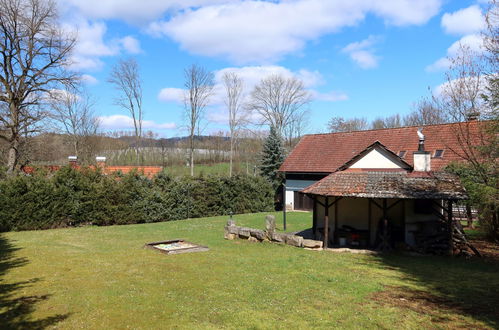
{"type": "Point", "coordinates": [452, 286]}
{"type": "Point", "coordinates": [16, 311]}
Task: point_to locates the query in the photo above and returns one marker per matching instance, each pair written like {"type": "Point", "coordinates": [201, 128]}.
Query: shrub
{"type": "Point", "coordinates": [72, 197]}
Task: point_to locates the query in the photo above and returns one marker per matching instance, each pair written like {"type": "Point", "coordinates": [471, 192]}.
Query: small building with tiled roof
{"type": "Point", "coordinates": [377, 188]}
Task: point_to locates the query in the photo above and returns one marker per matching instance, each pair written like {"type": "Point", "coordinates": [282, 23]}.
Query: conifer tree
{"type": "Point", "coordinates": [272, 158]}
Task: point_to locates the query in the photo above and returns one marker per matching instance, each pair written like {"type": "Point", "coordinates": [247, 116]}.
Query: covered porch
{"type": "Point", "coordinates": [383, 210]}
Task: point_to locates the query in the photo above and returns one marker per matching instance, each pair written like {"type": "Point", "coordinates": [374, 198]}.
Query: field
{"type": "Point", "coordinates": [101, 277]}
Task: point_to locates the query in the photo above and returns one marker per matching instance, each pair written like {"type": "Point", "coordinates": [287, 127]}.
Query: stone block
{"type": "Point", "coordinates": [258, 234]}
{"type": "Point", "coordinates": [294, 240]}
{"type": "Point", "coordinates": [232, 230]}
{"type": "Point", "coordinates": [231, 222]}
{"type": "Point", "coordinates": [230, 236]}
{"type": "Point", "coordinates": [244, 232]}
{"type": "Point", "coordinates": [278, 237]}
{"type": "Point", "coordinates": [312, 244]}
{"type": "Point", "coordinates": [270, 224]}
{"type": "Point", "coordinates": [252, 239]}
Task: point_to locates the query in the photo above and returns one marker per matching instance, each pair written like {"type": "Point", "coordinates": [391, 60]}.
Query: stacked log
{"type": "Point", "coordinates": [438, 243]}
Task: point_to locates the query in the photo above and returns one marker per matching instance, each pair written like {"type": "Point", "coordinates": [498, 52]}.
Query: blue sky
{"type": "Point", "coordinates": [357, 58]}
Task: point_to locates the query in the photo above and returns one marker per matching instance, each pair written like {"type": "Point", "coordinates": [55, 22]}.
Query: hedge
{"type": "Point", "coordinates": [71, 197]}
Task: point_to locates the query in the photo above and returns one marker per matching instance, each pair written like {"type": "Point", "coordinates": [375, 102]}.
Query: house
{"type": "Point", "coordinates": [377, 188]}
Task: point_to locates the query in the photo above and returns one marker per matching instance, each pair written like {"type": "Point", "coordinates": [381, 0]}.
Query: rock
{"type": "Point", "coordinates": [313, 244]}
{"type": "Point", "coordinates": [244, 232]}
{"type": "Point", "coordinates": [232, 230]}
{"type": "Point", "coordinates": [270, 225]}
{"type": "Point", "coordinates": [231, 222]}
{"type": "Point", "coordinates": [278, 237]}
{"type": "Point", "coordinates": [294, 240]}
{"type": "Point", "coordinates": [252, 239]}
{"type": "Point", "coordinates": [258, 234]}
{"type": "Point", "coordinates": [230, 236]}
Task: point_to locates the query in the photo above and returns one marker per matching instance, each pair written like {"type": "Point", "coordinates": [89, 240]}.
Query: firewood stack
{"type": "Point", "coordinates": [437, 243]}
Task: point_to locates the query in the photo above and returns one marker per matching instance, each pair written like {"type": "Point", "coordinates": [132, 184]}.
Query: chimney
{"type": "Point", "coordinates": [472, 116]}
{"type": "Point", "coordinates": [422, 158]}
{"type": "Point", "coordinates": [101, 162]}
{"type": "Point", "coordinates": [73, 161]}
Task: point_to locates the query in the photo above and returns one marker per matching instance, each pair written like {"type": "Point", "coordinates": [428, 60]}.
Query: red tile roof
{"type": "Point", "coordinates": [393, 184]}
{"type": "Point", "coordinates": [148, 171]}
{"type": "Point", "coordinates": [325, 153]}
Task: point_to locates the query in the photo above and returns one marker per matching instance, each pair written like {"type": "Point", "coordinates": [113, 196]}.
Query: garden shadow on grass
{"type": "Point", "coordinates": [16, 311]}
{"type": "Point", "coordinates": [452, 285]}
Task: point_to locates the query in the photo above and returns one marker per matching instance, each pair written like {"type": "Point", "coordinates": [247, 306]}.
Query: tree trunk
{"type": "Point", "coordinates": [13, 155]}
{"type": "Point", "coordinates": [469, 216]}
{"type": "Point", "coordinates": [230, 156]}
{"type": "Point", "coordinates": [192, 155]}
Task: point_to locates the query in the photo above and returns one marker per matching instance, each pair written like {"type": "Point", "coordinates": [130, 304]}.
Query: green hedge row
{"type": "Point", "coordinates": [72, 198]}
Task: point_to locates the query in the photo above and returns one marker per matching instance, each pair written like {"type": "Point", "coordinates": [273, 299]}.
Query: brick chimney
{"type": "Point", "coordinates": [422, 158]}
{"type": "Point", "coordinates": [73, 161]}
{"type": "Point", "coordinates": [101, 162]}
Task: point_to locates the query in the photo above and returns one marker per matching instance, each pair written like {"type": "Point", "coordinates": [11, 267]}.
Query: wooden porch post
{"type": "Point", "coordinates": [314, 217]}
{"type": "Point", "coordinates": [335, 236]}
{"type": "Point", "coordinates": [326, 223]}
{"type": "Point", "coordinates": [369, 217]}
{"type": "Point", "coordinates": [450, 227]}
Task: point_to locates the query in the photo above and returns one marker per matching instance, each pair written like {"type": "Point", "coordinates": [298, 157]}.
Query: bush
{"type": "Point", "coordinates": [483, 195]}
{"type": "Point", "coordinates": [71, 197]}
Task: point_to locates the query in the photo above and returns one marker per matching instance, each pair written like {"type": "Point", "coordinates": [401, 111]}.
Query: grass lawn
{"type": "Point", "coordinates": [101, 277]}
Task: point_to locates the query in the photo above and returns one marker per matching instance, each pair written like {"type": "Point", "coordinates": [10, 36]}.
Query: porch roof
{"type": "Point", "coordinates": [389, 184]}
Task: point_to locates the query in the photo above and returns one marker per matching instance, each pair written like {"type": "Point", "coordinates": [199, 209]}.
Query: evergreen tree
{"type": "Point", "coordinates": [272, 158]}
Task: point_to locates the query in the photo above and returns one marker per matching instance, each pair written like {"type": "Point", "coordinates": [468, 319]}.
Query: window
{"type": "Point", "coordinates": [402, 153]}
{"type": "Point", "coordinates": [438, 153]}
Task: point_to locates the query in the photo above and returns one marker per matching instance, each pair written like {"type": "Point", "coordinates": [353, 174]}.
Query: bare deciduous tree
{"type": "Point", "coordinates": [387, 122]}
{"type": "Point", "coordinates": [234, 101]}
{"type": "Point", "coordinates": [74, 115]}
{"type": "Point", "coordinates": [125, 77]}
{"type": "Point", "coordinates": [425, 112]}
{"type": "Point", "coordinates": [35, 54]}
{"type": "Point", "coordinates": [295, 129]}
{"type": "Point", "coordinates": [278, 100]}
{"type": "Point", "coordinates": [198, 90]}
{"type": "Point", "coordinates": [340, 124]}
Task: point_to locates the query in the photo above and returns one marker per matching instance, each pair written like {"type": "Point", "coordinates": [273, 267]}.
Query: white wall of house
{"type": "Point", "coordinates": [291, 187]}
{"type": "Point", "coordinates": [376, 159]}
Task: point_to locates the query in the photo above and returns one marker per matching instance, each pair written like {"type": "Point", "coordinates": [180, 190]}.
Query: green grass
{"type": "Point", "coordinates": [101, 277]}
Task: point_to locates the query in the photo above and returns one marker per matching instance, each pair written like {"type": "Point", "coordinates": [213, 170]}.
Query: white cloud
{"type": "Point", "coordinates": [362, 52]}
{"type": "Point", "coordinates": [332, 96]}
{"type": "Point", "coordinates": [130, 45]}
{"type": "Point", "coordinates": [262, 32]}
{"type": "Point", "coordinates": [251, 76]}
{"type": "Point", "coordinates": [88, 79]}
{"type": "Point", "coordinates": [114, 122]}
{"type": "Point", "coordinates": [170, 94]}
{"type": "Point", "coordinates": [91, 45]}
{"type": "Point", "coordinates": [465, 21]}
{"type": "Point", "coordinates": [473, 41]}
{"type": "Point", "coordinates": [131, 11]}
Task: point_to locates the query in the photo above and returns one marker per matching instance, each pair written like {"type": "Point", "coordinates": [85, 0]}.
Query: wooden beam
{"type": "Point", "coordinates": [379, 206]}
{"type": "Point", "coordinates": [319, 202]}
{"type": "Point", "coordinates": [314, 218]}
{"type": "Point", "coordinates": [369, 217]}
{"type": "Point", "coordinates": [450, 227]}
{"type": "Point", "coordinates": [335, 201]}
{"type": "Point", "coordinates": [395, 203]}
{"type": "Point", "coordinates": [326, 225]}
